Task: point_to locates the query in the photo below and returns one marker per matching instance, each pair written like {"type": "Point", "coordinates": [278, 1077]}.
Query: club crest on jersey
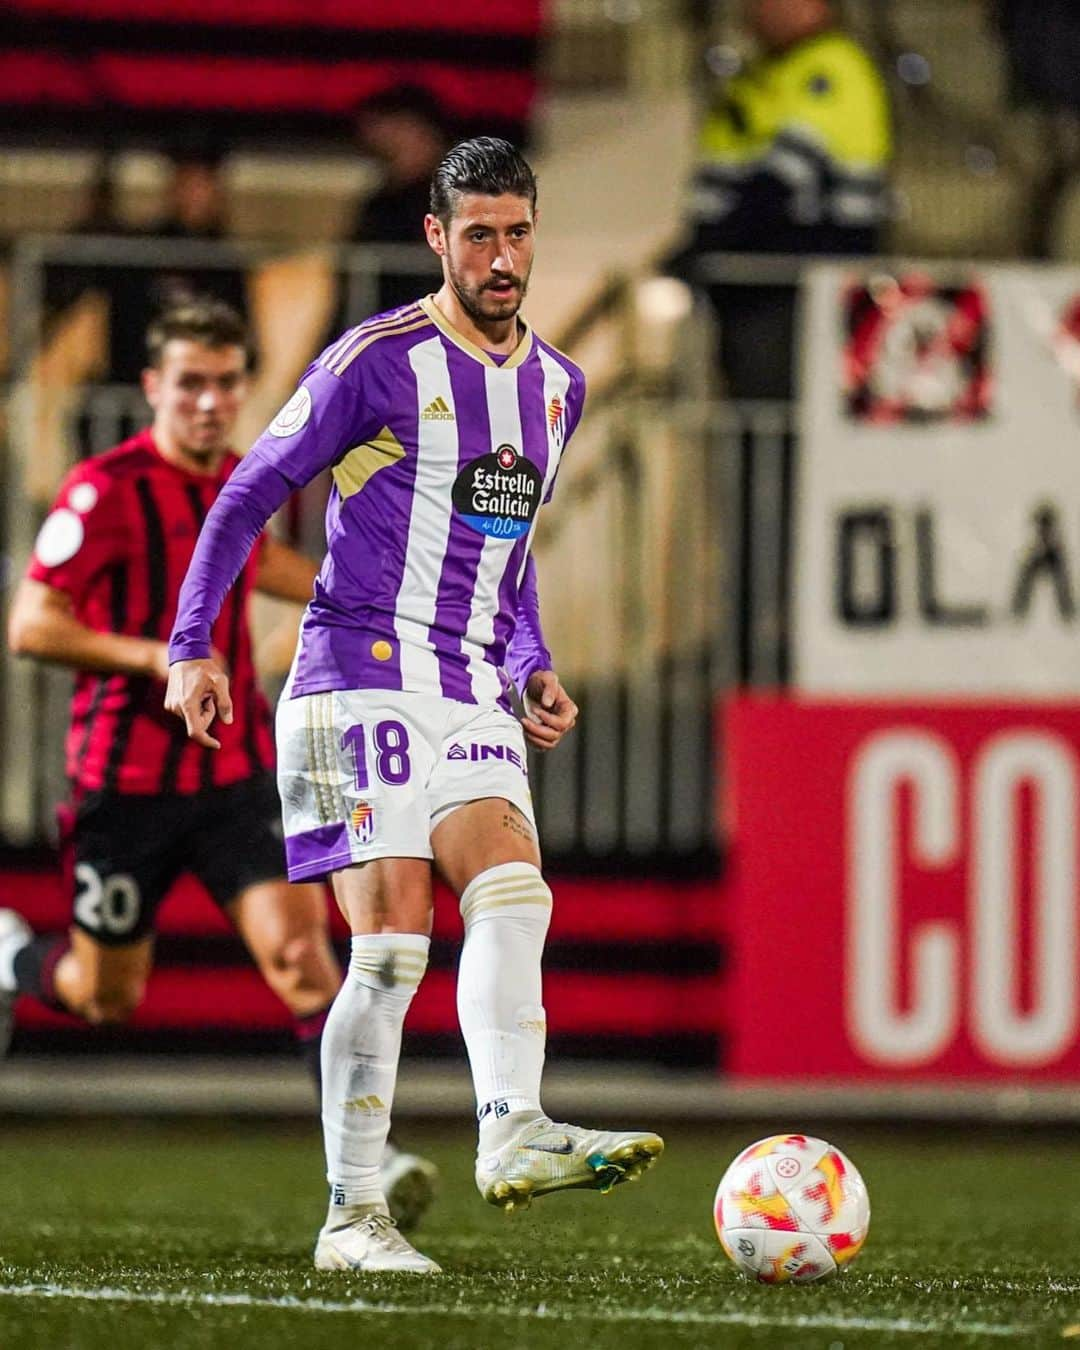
{"type": "Point", "coordinates": [363, 821]}
{"type": "Point", "coordinates": [499, 494]}
{"type": "Point", "coordinates": [556, 421]}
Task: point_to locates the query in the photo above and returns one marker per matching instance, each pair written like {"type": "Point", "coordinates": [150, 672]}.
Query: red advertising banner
{"type": "Point", "coordinates": [627, 961]}
{"type": "Point", "coordinates": [264, 69]}
{"type": "Point", "coordinates": [904, 891]}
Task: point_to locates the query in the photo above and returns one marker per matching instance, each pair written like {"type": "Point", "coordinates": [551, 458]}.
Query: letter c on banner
{"type": "Point", "coordinates": [876, 1023]}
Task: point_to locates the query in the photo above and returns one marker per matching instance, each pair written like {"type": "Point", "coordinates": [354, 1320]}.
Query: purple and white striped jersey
{"type": "Point", "coordinates": [441, 458]}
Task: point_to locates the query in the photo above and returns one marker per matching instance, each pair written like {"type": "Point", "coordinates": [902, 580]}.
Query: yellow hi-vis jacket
{"type": "Point", "coordinates": [793, 155]}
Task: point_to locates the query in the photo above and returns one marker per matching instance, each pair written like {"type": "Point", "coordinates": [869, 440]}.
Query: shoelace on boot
{"type": "Point", "coordinates": [383, 1227]}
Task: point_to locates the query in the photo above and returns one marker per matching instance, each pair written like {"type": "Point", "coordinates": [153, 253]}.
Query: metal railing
{"type": "Point", "coordinates": [664, 581]}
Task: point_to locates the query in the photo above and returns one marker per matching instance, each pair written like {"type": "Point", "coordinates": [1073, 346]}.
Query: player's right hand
{"type": "Point", "coordinates": [159, 661]}
{"type": "Point", "coordinates": [198, 692]}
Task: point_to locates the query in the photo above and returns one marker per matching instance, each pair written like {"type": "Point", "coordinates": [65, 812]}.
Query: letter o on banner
{"type": "Point", "coordinates": [1004, 1032]}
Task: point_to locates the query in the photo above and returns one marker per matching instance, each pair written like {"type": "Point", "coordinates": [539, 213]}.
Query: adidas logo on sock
{"type": "Point", "coordinates": [437, 411]}
{"type": "Point", "coordinates": [366, 1106]}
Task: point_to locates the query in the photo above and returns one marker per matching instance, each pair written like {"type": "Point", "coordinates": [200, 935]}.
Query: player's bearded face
{"type": "Point", "coordinates": [196, 395]}
{"type": "Point", "coordinates": [489, 255]}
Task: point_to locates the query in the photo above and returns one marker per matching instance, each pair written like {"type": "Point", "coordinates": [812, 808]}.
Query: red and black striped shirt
{"type": "Point", "coordinates": [118, 542]}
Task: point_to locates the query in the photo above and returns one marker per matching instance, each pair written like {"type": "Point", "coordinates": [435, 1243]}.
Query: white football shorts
{"type": "Point", "coordinates": [368, 773]}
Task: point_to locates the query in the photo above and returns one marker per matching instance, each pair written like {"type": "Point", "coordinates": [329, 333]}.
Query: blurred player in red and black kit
{"type": "Point", "coordinates": [148, 804]}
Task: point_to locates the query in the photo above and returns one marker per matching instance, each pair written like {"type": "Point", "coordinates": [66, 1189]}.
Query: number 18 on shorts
{"type": "Point", "coordinates": [368, 773]}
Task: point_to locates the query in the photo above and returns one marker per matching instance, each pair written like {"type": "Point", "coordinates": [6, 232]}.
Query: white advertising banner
{"type": "Point", "coordinates": [938, 511]}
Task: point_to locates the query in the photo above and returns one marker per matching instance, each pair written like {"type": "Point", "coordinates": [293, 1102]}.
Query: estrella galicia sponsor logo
{"type": "Point", "coordinates": [477, 753]}
{"type": "Point", "coordinates": [499, 494]}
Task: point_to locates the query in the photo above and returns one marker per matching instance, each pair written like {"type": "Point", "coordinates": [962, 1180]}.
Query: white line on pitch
{"type": "Point", "coordinates": [541, 1311]}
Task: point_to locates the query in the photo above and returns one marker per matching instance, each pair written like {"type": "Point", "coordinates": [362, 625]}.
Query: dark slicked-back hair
{"type": "Point", "coordinates": [202, 319]}
{"type": "Point", "coordinates": [485, 164]}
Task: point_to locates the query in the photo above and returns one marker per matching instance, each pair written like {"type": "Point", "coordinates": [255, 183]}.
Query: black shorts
{"type": "Point", "coordinates": [126, 852]}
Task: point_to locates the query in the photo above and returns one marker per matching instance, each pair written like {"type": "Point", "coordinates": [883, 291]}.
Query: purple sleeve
{"type": "Point", "coordinates": [528, 652]}
{"type": "Point", "coordinates": [318, 424]}
{"type": "Point", "coordinates": [575, 405]}
{"type": "Point", "coordinates": [576, 401]}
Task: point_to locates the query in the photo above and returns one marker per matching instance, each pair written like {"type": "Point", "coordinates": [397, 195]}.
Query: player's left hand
{"type": "Point", "coordinates": [550, 711]}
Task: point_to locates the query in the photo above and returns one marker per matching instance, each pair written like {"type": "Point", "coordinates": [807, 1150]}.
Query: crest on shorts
{"type": "Point", "coordinates": [363, 821]}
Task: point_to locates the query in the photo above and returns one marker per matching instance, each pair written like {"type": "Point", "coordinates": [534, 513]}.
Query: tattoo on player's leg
{"type": "Point", "coordinates": [517, 824]}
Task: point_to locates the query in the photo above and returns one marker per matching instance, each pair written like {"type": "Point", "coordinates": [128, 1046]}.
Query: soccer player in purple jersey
{"type": "Point", "coordinates": [443, 424]}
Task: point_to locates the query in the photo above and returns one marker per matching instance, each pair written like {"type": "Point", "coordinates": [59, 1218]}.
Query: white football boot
{"type": "Point", "coordinates": [370, 1244]}
{"type": "Point", "coordinates": [544, 1157]}
{"type": "Point", "coordinates": [409, 1184]}
{"type": "Point", "coordinates": [15, 933]}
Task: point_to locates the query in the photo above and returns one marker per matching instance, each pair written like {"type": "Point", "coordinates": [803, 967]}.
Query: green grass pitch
{"type": "Point", "coordinates": [197, 1236]}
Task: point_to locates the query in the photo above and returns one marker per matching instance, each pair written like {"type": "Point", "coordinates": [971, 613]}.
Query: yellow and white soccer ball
{"type": "Point", "coordinates": [791, 1208]}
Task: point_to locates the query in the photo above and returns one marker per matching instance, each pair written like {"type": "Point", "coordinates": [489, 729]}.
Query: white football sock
{"type": "Point", "coordinates": [14, 936]}
{"type": "Point", "coordinates": [361, 1044]}
{"type": "Point", "coordinates": [499, 996]}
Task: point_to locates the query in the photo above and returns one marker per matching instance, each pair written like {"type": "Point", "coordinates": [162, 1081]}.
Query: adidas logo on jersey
{"type": "Point", "coordinates": [437, 411]}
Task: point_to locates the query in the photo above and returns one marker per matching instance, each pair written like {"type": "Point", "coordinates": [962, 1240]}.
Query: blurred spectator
{"type": "Point", "coordinates": [195, 206]}
{"type": "Point", "coordinates": [195, 210]}
{"type": "Point", "coordinates": [793, 156]}
{"type": "Point", "coordinates": [1042, 44]}
{"type": "Point", "coordinates": [101, 215]}
{"type": "Point", "coordinates": [137, 294]}
{"type": "Point", "coordinates": [406, 131]}
{"type": "Point", "coordinates": [1042, 39]}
